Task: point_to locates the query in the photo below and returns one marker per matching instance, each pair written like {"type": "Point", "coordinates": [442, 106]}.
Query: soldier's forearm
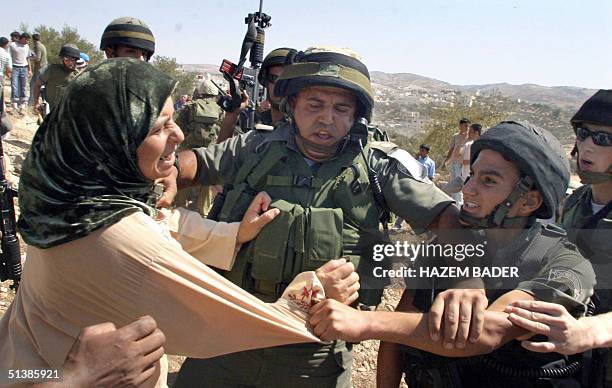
{"type": "Point", "coordinates": [447, 219]}
{"type": "Point", "coordinates": [411, 329]}
{"type": "Point", "coordinates": [188, 169]}
{"type": "Point", "coordinates": [227, 125]}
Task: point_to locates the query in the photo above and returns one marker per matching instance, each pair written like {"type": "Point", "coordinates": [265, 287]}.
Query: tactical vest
{"type": "Point", "coordinates": [203, 122]}
{"type": "Point", "coordinates": [504, 366]}
{"type": "Point", "coordinates": [592, 234]}
{"type": "Point", "coordinates": [327, 212]}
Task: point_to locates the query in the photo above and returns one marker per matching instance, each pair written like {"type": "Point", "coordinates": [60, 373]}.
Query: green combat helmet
{"type": "Point", "coordinates": [325, 66]}
{"type": "Point", "coordinates": [130, 32]}
{"type": "Point", "coordinates": [596, 110]}
{"type": "Point", "coordinates": [541, 161]}
{"type": "Point", "coordinates": [276, 57]}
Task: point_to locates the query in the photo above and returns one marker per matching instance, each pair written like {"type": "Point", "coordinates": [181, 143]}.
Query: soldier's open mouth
{"type": "Point", "coordinates": [324, 136]}
{"type": "Point", "coordinates": [470, 207]}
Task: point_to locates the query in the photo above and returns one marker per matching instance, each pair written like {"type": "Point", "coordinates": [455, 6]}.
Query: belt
{"type": "Point", "coordinates": [21, 66]}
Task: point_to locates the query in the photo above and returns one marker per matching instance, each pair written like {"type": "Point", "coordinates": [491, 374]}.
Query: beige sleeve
{"type": "Point", "coordinates": [202, 314]}
{"type": "Point", "coordinates": [211, 242]}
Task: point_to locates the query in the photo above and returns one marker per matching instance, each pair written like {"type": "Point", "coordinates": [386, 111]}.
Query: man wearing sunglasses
{"type": "Point", "coordinates": [271, 69]}
{"type": "Point", "coordinates": [587, 217]}
{"type": "Point", "coordinates": [55, 77]}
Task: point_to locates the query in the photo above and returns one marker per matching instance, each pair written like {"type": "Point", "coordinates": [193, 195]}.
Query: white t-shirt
{"type": "Point", "coordinates": [20, 53]}
{"type": "Point", "coordinates": [465, 152]}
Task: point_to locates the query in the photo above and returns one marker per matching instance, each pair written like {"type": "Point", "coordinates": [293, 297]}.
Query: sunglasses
{"type": "Point", "coordinates": [600, 138]}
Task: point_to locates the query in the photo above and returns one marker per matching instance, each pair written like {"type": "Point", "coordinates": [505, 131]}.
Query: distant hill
{"type": "Point", "coordinates": [560, 96]}
{"type": "Point", "coordinates": [407, 79]}
{"type": "Point", "coordinates": [404, 101]}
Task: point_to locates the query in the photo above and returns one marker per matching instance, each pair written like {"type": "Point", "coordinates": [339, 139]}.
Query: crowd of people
{"type": "Point", "coordinates": [298, 206]}
{"type": "Point", "coordinates": [34, 80]}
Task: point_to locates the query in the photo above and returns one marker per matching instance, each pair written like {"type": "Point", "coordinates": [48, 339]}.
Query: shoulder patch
{"type": "Point", "coordinates": [553, 230]}
{"type": "Point", "coordinates": [384, 146]}
{"type": "Point", "coordinates": [409, 165]}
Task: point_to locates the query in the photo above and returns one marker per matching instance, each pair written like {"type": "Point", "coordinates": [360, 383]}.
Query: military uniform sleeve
{"type": "Point", "coordinates": [44, 74]}
{"type": "Point", "coordinates": [218, 164]}
{"type": "Point", "coordinates": [566, 278]}
{"type": "Point", "coordinates": [418, 202]}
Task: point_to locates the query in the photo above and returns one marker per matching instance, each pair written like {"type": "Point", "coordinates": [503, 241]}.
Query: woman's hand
{"type": "Point", "coordinates": [170, 189]}
{"type": "Point", "coordinates": [256, 217]}
{"type": "Point", "coordinates": [566, 334]}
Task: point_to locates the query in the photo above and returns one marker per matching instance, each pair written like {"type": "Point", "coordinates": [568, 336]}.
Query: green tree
{"type": "Point", "coordinates": [444, 122]}
{"type": "Point", "coordinates": [186, 80]}
{"type": "Point", "coordinates": [54, 40]}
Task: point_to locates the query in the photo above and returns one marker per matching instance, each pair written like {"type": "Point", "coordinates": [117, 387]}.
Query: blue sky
{"type": "Point", "coordinates": [548, 42]}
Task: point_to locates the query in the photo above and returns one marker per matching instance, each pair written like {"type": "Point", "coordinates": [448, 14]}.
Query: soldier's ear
{"type": "Point", "coordinates": [531, 201]}
{"type": "Point", "coordinates": [110, 53]}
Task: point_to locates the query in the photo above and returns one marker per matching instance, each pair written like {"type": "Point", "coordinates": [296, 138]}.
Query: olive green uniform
{"type": "Point", "coordinates": [593, 236]}
{"type": "Point", "coordinates": [327, 211]}
{"type": "Point", "coordinates": [40, 51]}
{"type": "Point", "coordinates": [200, 121]}
{"type": "Point", "coordinates": [56, 77]}
{"type": "Point", "coordinates": [551, 269]}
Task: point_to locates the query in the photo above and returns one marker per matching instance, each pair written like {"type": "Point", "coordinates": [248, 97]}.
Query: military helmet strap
{"type": "Point", "coordinates": [593, 178]}
{"type": "Point", "coordinates": [331, 150]}
{"type": "Point", "coordinates": [590, 177]}
{"type": "Point", "coordinates": [498, 218]}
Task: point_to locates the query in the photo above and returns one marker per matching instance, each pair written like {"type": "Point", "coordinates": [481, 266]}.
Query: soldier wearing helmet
{"type": "Point", "coordinates": [269, 114]}
{"type": "Point", "coordinates": [271, 69]}
{"type": "Point", "coordinates": [518, 173]}
{"type": "Point", "coordinates": [587, 217]}
{"type": "Point", "coordinates": [200, 121]}
{"type": "Point", "coordinates": [332, 187]}
{"type": "Point", "coordinates": [128, 37]}
{"type": "Point", "coordinates": [56, 76]}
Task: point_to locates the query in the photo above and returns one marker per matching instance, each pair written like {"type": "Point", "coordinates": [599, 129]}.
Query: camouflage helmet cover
{"type": "Point", "coordinates": [205, 88]}
{"type": "Point", "coordinates": [327, 66]}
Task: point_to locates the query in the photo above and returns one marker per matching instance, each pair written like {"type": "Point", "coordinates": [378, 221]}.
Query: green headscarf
{"type": "Point", "coordinates": [81, 172]}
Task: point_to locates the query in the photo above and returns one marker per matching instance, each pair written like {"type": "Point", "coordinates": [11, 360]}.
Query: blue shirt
{"type": "Point", "coordinates": [429, 164]}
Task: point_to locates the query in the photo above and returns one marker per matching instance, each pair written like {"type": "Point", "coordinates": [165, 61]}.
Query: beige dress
{"type": "Point", "coordinates": [134, 268]}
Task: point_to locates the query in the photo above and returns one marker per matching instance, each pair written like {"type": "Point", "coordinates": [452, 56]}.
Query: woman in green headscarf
{"type": "Point", "coordinates": [97, 249]}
